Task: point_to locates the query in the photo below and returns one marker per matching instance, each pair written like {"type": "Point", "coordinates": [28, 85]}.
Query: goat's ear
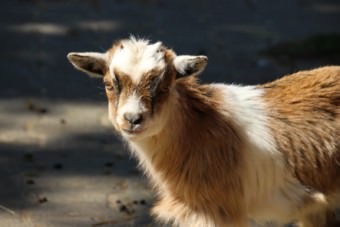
{"type": "Point", "coordinates": [187, 65]}
{"type": "Point", "coordinates": [92, 63]}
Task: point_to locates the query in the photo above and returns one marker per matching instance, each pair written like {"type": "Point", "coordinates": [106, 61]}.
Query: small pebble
{"type": "Point", "coordinates": [32, 107]}
{"type": "Point", "coordinates": [42, 110]}
{"type": "Point", "coordinates": [122, 208]}
{"type": "Point", "coordinates": [118, 201]}
{"type": "Point", "coordinates": [62, 121]}
{"type": "Point", "coordinates": [58, 166]}
{"type": "Point", "coordinates": [30, 181]}
{"type": "Point", "coordinates": [42, 200]}
{"type": "Point", "coordinates": [28, 157]}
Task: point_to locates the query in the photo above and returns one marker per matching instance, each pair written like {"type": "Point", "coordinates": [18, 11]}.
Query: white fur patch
{"type": "Point", "coordinates": [138, 57]}
{"type": "Point", "coordinates": [250, 114]}
{"type": "Point", "coordinates": [132, 105]}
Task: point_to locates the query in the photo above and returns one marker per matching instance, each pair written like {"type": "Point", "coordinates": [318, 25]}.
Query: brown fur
{"type": "Point", "coordinates": [304, 114]}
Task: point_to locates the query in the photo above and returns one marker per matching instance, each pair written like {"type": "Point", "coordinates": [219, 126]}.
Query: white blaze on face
{"type": "Point", "coordinates": [137, 57]}
{"type": "Point", "coordinates": [132, 105]}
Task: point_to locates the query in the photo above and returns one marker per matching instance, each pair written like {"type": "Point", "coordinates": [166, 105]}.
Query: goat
{"type": "Point", "coordinates": [220, 155]}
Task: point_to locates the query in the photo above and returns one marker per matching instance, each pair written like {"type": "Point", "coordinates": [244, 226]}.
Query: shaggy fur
{"type": "Point", "coordinates": [221, 154]}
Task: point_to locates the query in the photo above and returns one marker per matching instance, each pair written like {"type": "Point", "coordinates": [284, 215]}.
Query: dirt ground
{"type": "Point", "coordinates": [61, 164]}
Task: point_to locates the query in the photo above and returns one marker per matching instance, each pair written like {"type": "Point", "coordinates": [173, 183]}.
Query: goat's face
{"type": "Point", "coordinates": [139, 80]}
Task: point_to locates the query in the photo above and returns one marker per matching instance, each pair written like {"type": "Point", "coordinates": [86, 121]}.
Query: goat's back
{"type": "Point", "coordinates": [304, 116]}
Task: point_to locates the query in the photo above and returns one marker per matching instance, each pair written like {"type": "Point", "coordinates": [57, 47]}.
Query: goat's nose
{"type": "Point", "coordinates": [133, 118]}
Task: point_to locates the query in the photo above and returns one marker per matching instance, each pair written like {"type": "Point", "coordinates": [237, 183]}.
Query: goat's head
{"type": "Point", "coordinates": [139, 78]}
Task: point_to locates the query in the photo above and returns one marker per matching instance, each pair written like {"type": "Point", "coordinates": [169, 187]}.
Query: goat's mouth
{"type": "Point", "coordinates": [133, 131]}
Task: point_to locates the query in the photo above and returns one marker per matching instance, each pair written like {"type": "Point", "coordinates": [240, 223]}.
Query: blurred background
{"type": "Point", "coordinates": [60, 162]}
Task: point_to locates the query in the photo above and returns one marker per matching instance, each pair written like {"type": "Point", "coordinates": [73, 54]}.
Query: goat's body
{"type": "Point", "coordinates": [221, 154]}
{"type": "Point", "coordinates": [229, 153]}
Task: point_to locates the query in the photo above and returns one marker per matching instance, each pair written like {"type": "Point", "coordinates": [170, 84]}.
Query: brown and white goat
{"type": "Point", "coordinates": [220, 154]}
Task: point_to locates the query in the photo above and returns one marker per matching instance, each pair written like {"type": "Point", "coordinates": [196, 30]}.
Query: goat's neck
{"type": "Point", "coordinates": [187, 146]}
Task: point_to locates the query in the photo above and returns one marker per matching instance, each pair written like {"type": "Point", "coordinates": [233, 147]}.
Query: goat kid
{"type": "Point", "coordinates": [220, 154]}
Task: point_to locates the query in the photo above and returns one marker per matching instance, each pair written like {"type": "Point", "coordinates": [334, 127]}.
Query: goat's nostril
{"type": "Point", "coordinates": [133, 118]}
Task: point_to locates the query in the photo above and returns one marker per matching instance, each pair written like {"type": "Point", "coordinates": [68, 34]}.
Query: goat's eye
{"type": "Point", "coordinates": [109, 86]}
{"type": "Point", "coordinates": [113, 86]}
